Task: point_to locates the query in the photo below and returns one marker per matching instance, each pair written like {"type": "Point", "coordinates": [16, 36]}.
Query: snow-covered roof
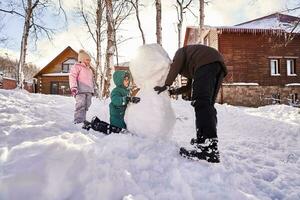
{"type": "Point", "coordinates": [273, 24]}
{"type": "Point", "coordinates": [247, 29]}
{"type": "Point", "coordinates": [8, 78]}
{"type": "Point", "coordinates": [56, 74]}
{"type": "Point", "coordinates": [277, 21]}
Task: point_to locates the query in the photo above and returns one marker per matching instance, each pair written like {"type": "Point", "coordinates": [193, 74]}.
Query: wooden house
{"type": "Point", "coordinates": [262, 56]}
{"type": "Point", "coordinates": [54, 77]}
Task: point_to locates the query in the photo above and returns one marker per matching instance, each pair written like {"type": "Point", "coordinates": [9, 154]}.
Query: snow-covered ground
{"type": "Point", "coordinates": [44, 156]}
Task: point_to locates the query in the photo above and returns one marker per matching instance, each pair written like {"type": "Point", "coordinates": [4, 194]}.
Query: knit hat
{"type": "Point", "coordinates": [82, 55]}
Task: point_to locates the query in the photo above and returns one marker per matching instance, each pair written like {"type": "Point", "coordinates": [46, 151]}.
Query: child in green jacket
{"type": "Point", "coordinates": [120, 97]}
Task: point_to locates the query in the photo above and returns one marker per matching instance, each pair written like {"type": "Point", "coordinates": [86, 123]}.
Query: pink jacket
{"type": "Point", "coordinates": [81, 77]}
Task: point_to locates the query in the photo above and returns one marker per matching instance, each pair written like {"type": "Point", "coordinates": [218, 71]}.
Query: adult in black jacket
{"type": "Point", "coordinates": [205, 69]}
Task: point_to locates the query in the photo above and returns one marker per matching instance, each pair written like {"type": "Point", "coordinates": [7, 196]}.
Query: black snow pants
{"type": "Point", "coordinates": [206, 85]}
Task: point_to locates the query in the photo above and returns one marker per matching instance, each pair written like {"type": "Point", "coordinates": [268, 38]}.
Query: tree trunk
{"type": "Point", "coordinates": [179, 28]}
{"type": "Point", "coordinates": [116, 48]}
{"type": "Point", "coordinates": [158, 22]}
{"type": "Point", "coordinates": [179, 24]}
{"type": "Point", "coordinates": [201, 21]}
{"type": "Point", "coordinates": [99, 73]}
{"type": "Point", "coordinates": [110, 47]}
{"type": "Point", "coordinates": [22, 60]}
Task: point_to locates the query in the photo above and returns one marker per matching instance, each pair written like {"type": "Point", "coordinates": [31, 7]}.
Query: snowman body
{"type": "Point", "coordinates": [153, 116]}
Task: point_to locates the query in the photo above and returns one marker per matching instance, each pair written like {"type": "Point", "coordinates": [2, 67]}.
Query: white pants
{"type": "Point", "coordinates": [83, 102]}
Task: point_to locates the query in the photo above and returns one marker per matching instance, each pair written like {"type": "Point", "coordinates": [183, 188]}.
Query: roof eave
{"type": "Point", "coordinates": [39, 73]}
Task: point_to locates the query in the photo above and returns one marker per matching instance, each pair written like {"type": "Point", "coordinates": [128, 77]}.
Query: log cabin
{"type": "Point", "coordinates": [262, 57]}
{"type": "Point", "coordinates": [54, 77]}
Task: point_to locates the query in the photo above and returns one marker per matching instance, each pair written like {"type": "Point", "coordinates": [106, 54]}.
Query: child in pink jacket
{"type": "Point", "coordinates": [81, 85]}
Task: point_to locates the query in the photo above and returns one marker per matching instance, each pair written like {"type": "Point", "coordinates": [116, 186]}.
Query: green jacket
{"type": "Point", "coordinates": [118, 103]}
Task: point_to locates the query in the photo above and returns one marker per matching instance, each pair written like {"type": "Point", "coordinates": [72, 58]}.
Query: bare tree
{"type": "Point", "coordinates": [201, 21]}
{"type": "Point", "coordinates": [97, 26]}
{"type": "Point", "coordinates": [110, 48]}
{"type": "Point", "coordinates": [135, 4]}
{"type": "Point", "coordinates": [158, 22]}
{"type": "Point", "coordinates": [30, 70]}
{"type": "Point", "coordinates": [294, 26]}
{"type": "Point", "coordinates": [93, 18]}
{"type": "Point", "coordinates": [181, 7]}
{"type": "Point", "coordinates": [116, 12]}
{"type": "Point", "coordinates": [99, 39]}
{"type": "Point", "coordinates": [122, 9]}
{"type": "Point", "coordinates": [32, 13]}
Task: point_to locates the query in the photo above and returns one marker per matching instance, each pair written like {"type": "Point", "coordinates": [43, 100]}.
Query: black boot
{"type": "Point", "coordinates": [86, 125]}
{"type": "Point", "coordinates": [198, 140]}
{"type": "Point", "coordinates": [103, 127]}
{"type": "Point", "coordinates": [204, 151]}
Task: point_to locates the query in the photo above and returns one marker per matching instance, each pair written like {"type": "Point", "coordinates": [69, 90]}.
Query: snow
{"type": "Point", "coordinates": [44, 156]}
{"type": "Point", "coordinates": [57, 74]}
{"type": "Point", "coordinates": [7, 78]}
{"type": "Point", "coordinates": [270, 23]}
{"type": "Point", "coordinates": [153, 116]}
{"type": "Point", "coordinates": [292, 84]}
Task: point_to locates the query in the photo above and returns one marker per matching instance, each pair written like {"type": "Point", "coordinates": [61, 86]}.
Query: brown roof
{"type": "Point", "coordinates": [54, 60]}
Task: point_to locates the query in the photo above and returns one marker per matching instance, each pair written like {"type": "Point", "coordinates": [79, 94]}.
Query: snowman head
{"type": "Point", "coordinates": [150, 66]}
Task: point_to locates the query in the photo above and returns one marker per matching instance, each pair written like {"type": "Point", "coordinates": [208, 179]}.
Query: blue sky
{"type": "Point", "coordinates": [218, 12]}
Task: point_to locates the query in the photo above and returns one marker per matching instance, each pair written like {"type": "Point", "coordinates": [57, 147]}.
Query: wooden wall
{"type": "Point", "coordinates": [8, 84]}
{"type": "Point", "coordinates": [44, 84]}
{"type": "Point", "coordinates": [247, 56]}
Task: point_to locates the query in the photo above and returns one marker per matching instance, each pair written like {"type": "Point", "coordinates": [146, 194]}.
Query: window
{"type": "Point", "coordinates": [274, 63]}
{"type": "Point", "coordinates": [290, 64]}
{"type": "Point", "coordinates": [54, 88]}
{"type": "Point", "coordinates": [66, 66]}
{"type": "Point", "coordinates": [60, 88]}
{"type": "Point", "coordinates": [64, 88]}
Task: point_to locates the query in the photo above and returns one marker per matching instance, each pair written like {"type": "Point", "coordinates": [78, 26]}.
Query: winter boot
{"type": "Point", "coordinates": [198, 140]}
{"type": "Point", "coordinates": [203, 151]}
{"type": "Point", "coordinates": [103, 127]}
{"type": "Point", "coordinates": [86, 125]}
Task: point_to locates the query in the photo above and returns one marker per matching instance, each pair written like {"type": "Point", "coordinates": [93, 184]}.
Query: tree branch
{"type": "Point", "coordinates": [86, 21]}
{"type": "Point", "coordinates": [12, 12]}
{"type": "Point", "coordinates": [187, 5]}
{"type": "Point", "coordinates": [192, 12]}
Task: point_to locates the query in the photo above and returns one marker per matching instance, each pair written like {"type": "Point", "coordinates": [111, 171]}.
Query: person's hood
{"type": "Point", "coordinates": [118, 78]}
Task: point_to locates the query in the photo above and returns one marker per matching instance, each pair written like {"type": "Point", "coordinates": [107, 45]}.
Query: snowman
{"type": "Point", "coordinates": [153, 116]}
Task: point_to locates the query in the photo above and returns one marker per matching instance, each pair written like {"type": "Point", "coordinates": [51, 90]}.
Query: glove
{"type": "Point", "coordinates": [74, 91]}
{"type": "Point", "coordinates": [133, 99]}
{"type": "Point", "coordinates": [172, 91]}
{"type": "Point", "coordinates": [160, 89]}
